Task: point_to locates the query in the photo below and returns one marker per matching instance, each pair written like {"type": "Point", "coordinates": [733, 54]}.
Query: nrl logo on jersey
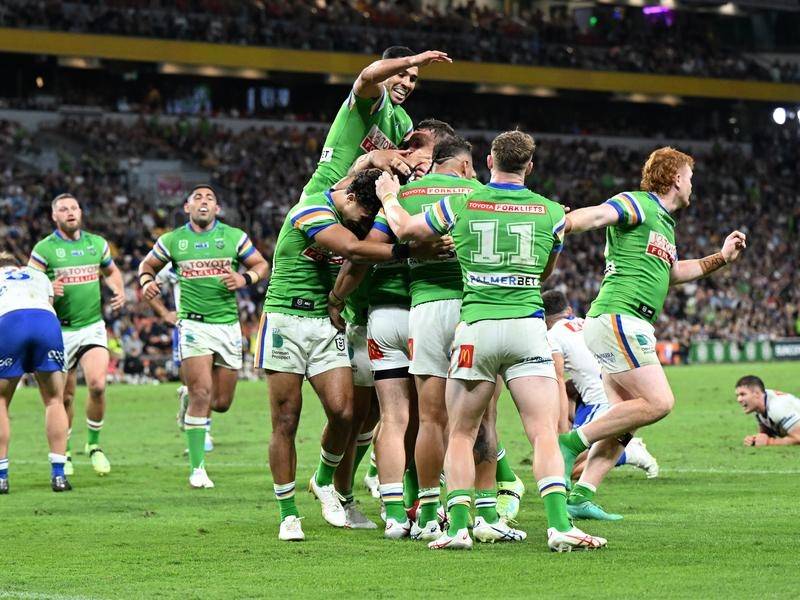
{"type": "Point", "coordinates": [60, 253]}
{"type": "Point", "coordinates": [660, 247]}
{"type": "Point", "coordinates": [204, 267]}
{"type": "Point", "coordinates": [376, 140]}
{"type": "Point", "coordinates": [320, 255]}
{"type": "Point", "coordinates": [183, 244]}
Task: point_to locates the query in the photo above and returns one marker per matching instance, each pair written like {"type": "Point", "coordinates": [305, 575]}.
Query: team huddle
{"type": "Point", "coordinates": [408, 294]}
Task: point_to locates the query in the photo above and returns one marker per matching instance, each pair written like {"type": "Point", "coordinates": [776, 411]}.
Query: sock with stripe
{"type": "Point", "coordinates": [363, 442]}
{"type": "Point", "coordinates": [486, 505]}
{"type": "Point", "coordinates": [327, 466]}
{"type": "Point", "coordinates": [56, 464]}
{"type": "Point", "coordinates": [3, 468]}
{"type": "Point", "coordinates": [93, 435]}
{"type": "Point", "coordinates": [195, 429]}
{"type": "Point", "coordinates": [346, 496]}
{"type": "Point", "coordinates": [504, 471]}
{"type": "Point", "coordinates": [574, 441]}
{"type": "Point", "coordinates": [582, 492]}
{"type": "Point", "coordinates": [428, 504]}
{"type": "Point", "coordinates": [392, 497]}
{"type": "Point", "coordinates": [284, 492]}
{"type": "Point", "coordinates": [410, 486]}
{"type": "Point", "coordinates": [458, 503]}
{"type": "Point", "coordinates": [553, 491]}
{"type": "Point", "coordinates": [622, 460]}
{"type": "Point", "coordinates": [373, 466]}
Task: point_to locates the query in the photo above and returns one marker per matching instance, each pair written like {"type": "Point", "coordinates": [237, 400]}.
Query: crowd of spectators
{"type": "Point", "coordinates": [618, 39]}
{"type": "Point", "coordinates": [261, 172]}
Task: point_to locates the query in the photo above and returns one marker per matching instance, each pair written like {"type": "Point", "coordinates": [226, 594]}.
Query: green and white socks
{"type": "Point", "coordinates": [195, 429]}
{"type": "Point", "coordinates": [328, 461]}
{"type": "Point", "coordinates": [284, 493]}
{"type": "Point", "coordinates": [553, 491]}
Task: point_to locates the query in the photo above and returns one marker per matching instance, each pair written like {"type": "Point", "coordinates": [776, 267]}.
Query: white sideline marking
{"type": "Point", "coordinates": [39, 596]}
{"type": "Point", "coordinates": [245, 465]}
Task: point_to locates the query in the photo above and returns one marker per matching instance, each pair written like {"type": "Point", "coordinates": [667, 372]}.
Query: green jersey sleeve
{"type": "Point", "coordinates": [310, 220]}
{"type": "Point", "coordinates": [629, 210]}
{"type": "Point", "coordinates": [441, 216]}
{"type": "Point", "coordinates": [161, 248]}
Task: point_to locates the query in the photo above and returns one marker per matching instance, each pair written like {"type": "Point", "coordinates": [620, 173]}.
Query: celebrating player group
{"type": "Point", "coordinates": [408, 294]}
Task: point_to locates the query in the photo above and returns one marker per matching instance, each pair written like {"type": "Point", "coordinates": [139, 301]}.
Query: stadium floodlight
{"type": "Point", "coordinates": [779, 115]}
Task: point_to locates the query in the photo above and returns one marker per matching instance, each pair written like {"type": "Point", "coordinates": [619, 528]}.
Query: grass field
{"type": "Point", "coordinates": [721, 521]}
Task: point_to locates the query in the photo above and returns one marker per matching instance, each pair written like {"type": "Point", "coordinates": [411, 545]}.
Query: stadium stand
{"type": "Point", "coordinates": [613, 38]}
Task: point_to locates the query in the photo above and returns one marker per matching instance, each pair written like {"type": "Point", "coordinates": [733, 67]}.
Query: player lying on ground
{"type": "Point", "coordinates": [32, 343]}
{"type": "Point", "coordinates": [507, 241]}
{"type": "Point", "coordinates": [206, 254]}
{"type": "Point", "coordinates": [641, 265]}
{"type": "Point", "coordinates": [74, 260]}
{"type": "Point", "coordinates": [777, 413]}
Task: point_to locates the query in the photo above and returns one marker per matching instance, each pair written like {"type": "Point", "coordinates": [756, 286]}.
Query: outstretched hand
{"type": "Point", "coordinates": [733, 246]}
{"type": "Point", "coordinates": [431, 56]}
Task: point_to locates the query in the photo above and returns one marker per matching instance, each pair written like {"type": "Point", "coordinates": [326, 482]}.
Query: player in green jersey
{"type": "Point", "coordinates": [206, 254]}
{"type": "Point", "coordinates": [296, 338]}
{"type": "Point", "coordinates": [641, 264]}
{"type": "Point", "coordinates": [74, 260]}
{"type": "Point", "coordinates": [507, 241]}
{"type": "Point", "coordinates": [372, 117]}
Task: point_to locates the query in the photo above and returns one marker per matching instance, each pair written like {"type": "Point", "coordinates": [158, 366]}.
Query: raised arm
{"type": "Point", "coordinates": [368, 83]}
{"type": "Point", "coordinates": [689, 270]}
{"type": "Point", "coordinates": [344, 242]}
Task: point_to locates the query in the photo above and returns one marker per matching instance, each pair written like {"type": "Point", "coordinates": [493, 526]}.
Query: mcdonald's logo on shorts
{"type": "Point", "coordinates": [374, 350]}
{"type": "Point", "coordinates": [466, 353]}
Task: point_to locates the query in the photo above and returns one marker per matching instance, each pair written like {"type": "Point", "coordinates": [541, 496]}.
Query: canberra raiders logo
{"type": "Point", "coordinates": [219, 243]}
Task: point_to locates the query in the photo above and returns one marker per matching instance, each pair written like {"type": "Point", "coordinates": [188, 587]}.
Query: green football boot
{"type": "Point", "coordinates": [590, 510]}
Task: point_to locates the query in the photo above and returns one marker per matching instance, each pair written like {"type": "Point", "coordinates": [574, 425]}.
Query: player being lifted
{"type": "Point", "coordinates": [32, 343]}
{"type": "Point", "coordinates": [206, 254]}
{"type": "Point", "coordinates": [371, 118]}
{"type": "Point", "coordinates": [296, 338]}
{"type": "Point", "coordinates": [641, 264]}
{"type": "Point", "coordinates": [74, 260]}
{"type": "Point", "coordinates": [571, 356]}
{"type": "Point", "coordinates": [507, 240]}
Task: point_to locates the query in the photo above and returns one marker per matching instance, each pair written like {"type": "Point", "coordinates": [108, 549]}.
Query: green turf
{"type": "Point", "coordinates": [721, 521]}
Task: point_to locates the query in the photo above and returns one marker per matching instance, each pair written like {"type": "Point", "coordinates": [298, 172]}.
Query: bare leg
{"type": "Point", "coordinates": [335, 391]}
{"type": "Point", "coordinates": [390, 448]}
{"type": "Point", "coordinates": [466, 405]}
{"type": "Point", "coordinates": [362, 403]}
{"type": "Point", "coordinates": [51, 388]}
{"type": "Point", "coordinates": [223, 388]}
{"type": "Point", "coordinates": [95, 366]}
{"type": "Point", "coordinates": [286, 402]}
{"type": "Point", "coordinates": [430, 446]}
{"type": "Point", "coordinates": [7, 389]}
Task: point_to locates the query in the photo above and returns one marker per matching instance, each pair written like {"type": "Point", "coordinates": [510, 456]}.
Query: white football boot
{"type": "Point", "coordinates": [460, 541]}
{"type": "Point", "coordinates": [574, 539]}
{"type": "Point", "coordinates": [396, 530]}
{"type": "Point", "coordinates": [637, 455]}
{"type": "Point", "coordinates": [497, 532]}
{"type": "Point", "coordinates": [199, 479]}
{"type": "Point", "coordinates": [372, 483]}
{"type": "Point", "coordinates": [427, 533]}
{"type": "Point", "coordinates": [332, 510]}
{"type": "Point", "coordinates": [357, 519]}
{"type": "Point", "coordinates": [291, 530]}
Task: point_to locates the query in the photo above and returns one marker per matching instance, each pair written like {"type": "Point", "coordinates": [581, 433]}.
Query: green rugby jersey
{"type": "Point", "coordinates": [433, 279]}
{"type": "Point", "coordinates": [504, 236]}
{"type": "Point", "coordinates": [357, 303]}
{"type": "Point", "coordinates": [200, 259]}
{"type": "Point", "coordinates": [302, 271]}
{"type": "Point", "coordinates": [640, 251]}
{"type": "Point", "coordinates": [77, 263]}
{"type": "Point", "coordinates": [389, 281]}
{"type": "Point", "coordinates": [361, 125]}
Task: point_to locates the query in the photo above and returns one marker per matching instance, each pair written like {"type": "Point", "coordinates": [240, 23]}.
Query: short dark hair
{"type": "Point", "coordinates": [397, 52]}
{"type": "Point", "coordinates": [8, 260]}
{"type": "Point", "coordinates": [555, 302]}
{"type": "Point", "coordinates": [450, 147]}
{"type": "Point", "coordinates": [751, 381]}
{"type": "Point", "coordinates": [62, 197]}
{"type": "Point", "coordinates": [440, 129]}
{"type": "Point", "coordinates": [512, 151]}
{"type": "Point", "coordinates": [363, 186]}
{"type": "Point", "coordinates": [201, 186]}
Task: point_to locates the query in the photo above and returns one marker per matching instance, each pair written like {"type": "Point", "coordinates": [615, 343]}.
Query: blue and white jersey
{"type": "Point", "coordinates": [783, 413]}
{"type": "Point", "coordinates": [566, 338]}
{"type": "Point", "coordinates": [168, 275]}
{"type": "Point", "coordinates": [24, 287]}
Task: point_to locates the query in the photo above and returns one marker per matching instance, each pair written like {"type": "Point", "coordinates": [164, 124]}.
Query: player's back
{"type": "Point", "coordinates": [24, 288]}
{"type": "Point", "coordinates": [640, 251]}
{"type": "Point", "coordinates": [566, 337]}
{"type": "Point", "coordinates": [435, 279]}
{"type": "Point", "coordinates": [504, 235]}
